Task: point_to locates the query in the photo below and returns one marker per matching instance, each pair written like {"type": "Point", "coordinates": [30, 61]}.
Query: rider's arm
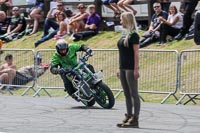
{"type": "Point", "coordinates": [83, 48]}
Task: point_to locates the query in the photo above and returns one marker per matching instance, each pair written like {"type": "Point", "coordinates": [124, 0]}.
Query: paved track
{"type": "Point", "coordinates": [58, 115]}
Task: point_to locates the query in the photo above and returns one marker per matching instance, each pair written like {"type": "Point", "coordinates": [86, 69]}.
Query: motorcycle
{"type": "Point", "coordinates": [89, 86]}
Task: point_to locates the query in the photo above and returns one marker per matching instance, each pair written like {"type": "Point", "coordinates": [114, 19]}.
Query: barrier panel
{"type": "Point", "coordinates": [189, 75]}
{"type": "Point", "coordinates": [159, 72]}
{"type": "Point", "coordinates": [48, 81]}
{"type": "Point", "coordinates": [21, 58]}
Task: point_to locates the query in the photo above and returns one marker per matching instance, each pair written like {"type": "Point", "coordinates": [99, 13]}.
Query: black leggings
{"type": "Point", "coordinates": [130, 87]}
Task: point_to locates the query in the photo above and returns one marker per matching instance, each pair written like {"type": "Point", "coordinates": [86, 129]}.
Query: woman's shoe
{"type": "Point", "coordinates": [127, 117]}
{"type": "Point", "coordinates": [131, 123]}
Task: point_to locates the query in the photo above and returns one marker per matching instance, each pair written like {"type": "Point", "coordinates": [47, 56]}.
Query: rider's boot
{"type": "Point", "coordinates": [127, 117]}
{"type": "Point", "coordinates": [75, 97]}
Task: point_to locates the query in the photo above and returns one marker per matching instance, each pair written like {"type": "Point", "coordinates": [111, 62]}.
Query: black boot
{"type": "Point", "coordinates": [127, 117]}
{"type": "Point", "coordinates": [131, 123]}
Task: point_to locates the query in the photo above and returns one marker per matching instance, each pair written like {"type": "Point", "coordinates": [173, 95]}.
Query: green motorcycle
{"type": "Point", "coordinates": [89, 86]}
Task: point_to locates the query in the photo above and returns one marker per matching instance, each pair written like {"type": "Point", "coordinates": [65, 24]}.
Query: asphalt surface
{"type": "Point", "coordinates": [58, 115]}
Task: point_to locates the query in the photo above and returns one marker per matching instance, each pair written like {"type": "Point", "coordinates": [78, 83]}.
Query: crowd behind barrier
{"type": "Point", "coordinates": [161, 72]}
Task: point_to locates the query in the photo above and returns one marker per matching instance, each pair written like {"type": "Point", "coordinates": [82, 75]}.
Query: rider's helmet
{"type": "Point", "coordinates": [62, 45]}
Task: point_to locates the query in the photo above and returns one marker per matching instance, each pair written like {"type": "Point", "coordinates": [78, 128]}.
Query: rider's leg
{"type": "Point", "coordinates": [68, 85]}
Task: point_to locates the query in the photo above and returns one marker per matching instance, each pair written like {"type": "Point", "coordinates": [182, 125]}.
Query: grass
{"type": "Point", "coordinates": [108, 40]}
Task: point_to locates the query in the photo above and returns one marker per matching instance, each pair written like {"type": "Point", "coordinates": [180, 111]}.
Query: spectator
{"type": "Point", "coordinates": [31, 71]}
{"type": "Point", "coordinates": [187, 18]}
{"type": "Point", "coordinates": [126, 5]}
{"type": "Point", "coordinates": [36, 14]}
{"type": "Point", "coordinates": [17, 25]}
{"type": "Point", "coordinates": [51, 23]}
{"type": "Point", "coordinates": [153, 33]}
{"type": "Point", "coordinates": [172, 25]}
{"type": "Point", "coordinates": [4, 23]}
{"type": "Point", "coordinates": [7, 70]}
{"type": "Point", "coordinates": [6, 6]}
{"type": "Point", "coordinates": [77, 22]}
{"type": "Point", "coordinates": [129, 70]}
{"type": "Point", "coordinates": [112, 4]}
{"type": "Point", "coordinates": [164, 4]}
{"type": "Point", "coordinates": [63, 26]}
{"type": "Point", "coordinates": [92, 25]}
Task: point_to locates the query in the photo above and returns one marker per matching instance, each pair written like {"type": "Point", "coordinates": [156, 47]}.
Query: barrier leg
{"type": "Point", "coordinates": [47, 93]}
{"type": "Point", "coordinates": [141, 98]}
{"type": "Point", "coordinates": [179, 101]}
{"type": "Point", "coordinates": [118, 93]}
{"type": "Point", "coordinates": [165, 99]}
{"type": "Point", "coordinates": [191, 99]}
{"type": "Point", "coordinates": [37, 92]}
{"type": "Point", "coordinates": [8, 89]}
{"type": "Point", "coordinates": [24, 93]}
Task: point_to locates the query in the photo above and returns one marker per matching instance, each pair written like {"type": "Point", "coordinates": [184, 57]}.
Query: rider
{"type": "Point", "coordinates": [64, 57]}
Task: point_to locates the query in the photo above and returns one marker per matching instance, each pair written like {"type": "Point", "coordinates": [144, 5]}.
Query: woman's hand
{"type": "Point", "coordinates": [136, 74]}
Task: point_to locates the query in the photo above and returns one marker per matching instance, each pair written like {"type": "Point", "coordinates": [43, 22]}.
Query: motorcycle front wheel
{"type": "Point", "coordinates": [104, 96]}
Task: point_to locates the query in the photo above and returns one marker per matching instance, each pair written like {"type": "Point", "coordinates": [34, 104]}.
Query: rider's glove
{"type": "Point", "coordinates": [89, 51]}
{"type": "Point", "coordinates": [62, 71]}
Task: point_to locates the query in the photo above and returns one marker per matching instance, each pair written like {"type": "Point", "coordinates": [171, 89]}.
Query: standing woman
{"type": "Point", "coordinates": [129, 69]}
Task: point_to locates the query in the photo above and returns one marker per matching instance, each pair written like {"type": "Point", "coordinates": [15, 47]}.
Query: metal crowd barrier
{"type": "Point", "coordinates": [159, 72]}
{"type": "Point", "coordinates": [48, 81]}
{"type": "Point", "coordinates": [189, 75]}
{"type": "Point", "coordinates": [21, 58]}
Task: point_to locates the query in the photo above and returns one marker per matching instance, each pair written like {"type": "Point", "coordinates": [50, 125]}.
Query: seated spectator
{"type": "Point", "coordinates": [36, 14]}
{"type": "Point", "coordinates": [172, 25]}
{"type": "Point", "coordinates": [63, 26]}
{"type": "Point", "coordinates": [30, 72]}
{"type": "Point", "coordinates": [126, 5]}
{"type": "Point", "coordinates": [7, 70]}
{"type": "Point", "coordinates": [91, 26]}
{"type": "Point", "coordinates": [6, 6]}
{"type": "Point", "coordinates": [4, 23]}
{"type": "Point", "coordinates": [16, 26]}
{"type": "Point", "coordinates": [153, 33]}
{"type": "Point", "coordinates": [50, 22]}
{"type": "Point", "coordinates": [77, 22]}
{"type": "Point", "coordinates": [112, 4]}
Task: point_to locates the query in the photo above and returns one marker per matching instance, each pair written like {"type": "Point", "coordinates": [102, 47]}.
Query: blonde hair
{"type": "Point", "coordinates": [130, 25]}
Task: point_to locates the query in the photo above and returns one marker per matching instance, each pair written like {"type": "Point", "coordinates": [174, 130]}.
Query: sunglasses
{"type": "Point", "coordinates": [15, 10]}
{"type": "Point", "coordinates": [156, 6]}
{"type": "Point", "coordinates": [81, 8]}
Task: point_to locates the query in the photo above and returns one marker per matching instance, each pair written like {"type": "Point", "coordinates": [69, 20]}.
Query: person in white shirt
{"type": "Point", "coordinates": [172, 25]}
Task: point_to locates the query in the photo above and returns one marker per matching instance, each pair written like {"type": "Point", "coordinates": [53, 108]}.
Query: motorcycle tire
{"type": "Point", "coordinates": [89, 104]}
{"type": "Point", "coordinates": [104, 96]}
